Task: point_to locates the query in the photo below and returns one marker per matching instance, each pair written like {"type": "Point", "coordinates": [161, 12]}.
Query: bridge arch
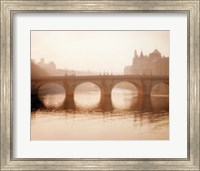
{"type": "Point", "coordinates": [52, 95]}
{"type": "Point", "coordinates": [106, 83]}
{"type": "Point", "coordinates": [87, 94]}
{"type": "Point", "coordinates": [160, 87]}
{"type": "Point", "coordinates": [136, 84]}
{"type": "Point", "coordinates": [98, 84]}
{"type": "Point", "coordinates": [38, 85]}
{"type": "Point", "coordinates": [123, 95]}
{"type": "Point", "coordinates": [160, 82]}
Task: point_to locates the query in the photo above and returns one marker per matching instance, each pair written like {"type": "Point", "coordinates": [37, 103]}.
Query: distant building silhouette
{"type": "Point", "coordinates": [36, 70]}
{"type": "Point", "coordinates": [154, 64]}
{"type": "Point", "coordinates": [49, 67]}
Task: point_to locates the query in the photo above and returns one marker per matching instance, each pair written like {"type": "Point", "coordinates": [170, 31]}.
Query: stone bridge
{"type": "Point", "coordinates": [143, 83]}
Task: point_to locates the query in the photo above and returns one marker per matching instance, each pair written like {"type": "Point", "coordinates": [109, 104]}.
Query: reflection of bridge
{"type": "Point", "coordinates": [143, 83]}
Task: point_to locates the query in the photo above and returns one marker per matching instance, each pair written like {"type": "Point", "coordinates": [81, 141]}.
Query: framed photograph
{"type": "Point", "coordinates": [100, 85]}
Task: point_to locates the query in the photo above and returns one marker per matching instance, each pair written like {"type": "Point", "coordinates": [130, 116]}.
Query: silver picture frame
{"type": "Point", "coordinates": [12, 7]}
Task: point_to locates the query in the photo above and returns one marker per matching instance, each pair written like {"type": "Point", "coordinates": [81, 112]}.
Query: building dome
{"type": "Point", "coordinates": [155, 54]}
{"type": "Point", "coordinates": [156, 51]}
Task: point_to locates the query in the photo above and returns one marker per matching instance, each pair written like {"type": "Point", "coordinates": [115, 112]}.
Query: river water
{"type": "Point", "coordinates": [130, 118]}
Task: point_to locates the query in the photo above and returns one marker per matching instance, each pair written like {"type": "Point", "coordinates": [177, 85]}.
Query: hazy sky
{"type": "Point", "coordinates": [100, 51]}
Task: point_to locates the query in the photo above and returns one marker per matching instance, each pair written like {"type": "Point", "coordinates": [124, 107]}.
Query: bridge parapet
{"type": "Point", "coordinates": [91, 77]}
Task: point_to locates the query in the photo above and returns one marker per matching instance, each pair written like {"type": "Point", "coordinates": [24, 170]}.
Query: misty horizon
{"type": "Point", "coordinates": [96, 51]}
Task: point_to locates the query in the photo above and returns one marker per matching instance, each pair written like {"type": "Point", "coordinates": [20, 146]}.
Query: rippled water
{"type": "Point", "coordinates": [131, 118]}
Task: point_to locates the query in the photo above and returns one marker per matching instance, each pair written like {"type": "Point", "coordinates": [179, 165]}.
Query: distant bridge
{"type": "Point", "coordinates": [143, 83]}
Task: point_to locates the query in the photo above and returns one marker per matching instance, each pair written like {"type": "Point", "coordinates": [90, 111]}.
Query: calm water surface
{"type": "Point", "coordinates": [131, 118]}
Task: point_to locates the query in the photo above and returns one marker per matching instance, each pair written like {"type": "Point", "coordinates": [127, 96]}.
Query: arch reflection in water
{"type": "Point", "coordinates": [87, 95]}
{"type": "Point", "coordinates": [51, 95]}
{"type": "Point", "coordinates": [141, 104]}
{"type": "Point", "coordinates": [146, 119]}
{"type": "Point", "coordinates": [150, 104]}
{"type": "Point", "coordinates": [160, 103]}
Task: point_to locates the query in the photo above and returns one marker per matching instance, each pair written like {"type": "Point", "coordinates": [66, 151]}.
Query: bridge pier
{"type": "Point", "coordinates": [146, 89]}
{"type": "Point", "coordinates": [146, 103]}
{"type": "Point", "coordinates": [69, 102]}
{"type": "Point", "coordinates": [106, 101]}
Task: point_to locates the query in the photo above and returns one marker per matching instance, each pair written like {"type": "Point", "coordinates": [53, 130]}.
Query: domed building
{"type": "Point", "coordinates": [154, 64]}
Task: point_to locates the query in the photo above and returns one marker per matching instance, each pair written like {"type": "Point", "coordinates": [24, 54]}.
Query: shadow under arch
{"type": "Point", "coordinates": [36, 103]}
{"type": "Point", "coordinates": [47, 95]}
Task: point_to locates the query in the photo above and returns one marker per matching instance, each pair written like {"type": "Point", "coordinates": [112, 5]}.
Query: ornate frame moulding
{"type": "Point", "coordinates": [10, 8]}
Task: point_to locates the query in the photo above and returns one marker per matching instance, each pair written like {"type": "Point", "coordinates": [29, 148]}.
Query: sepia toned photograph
{"type": "Point", "coordinates": [100, 85]}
